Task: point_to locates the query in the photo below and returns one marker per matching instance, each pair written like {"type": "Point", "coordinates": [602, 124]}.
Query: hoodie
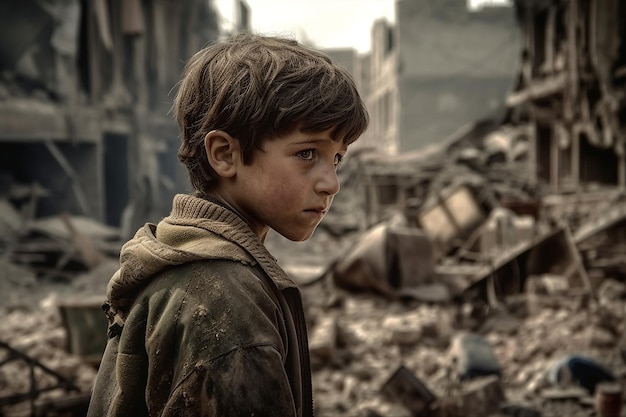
{"type": "Point", "coordinates": [203, 322]}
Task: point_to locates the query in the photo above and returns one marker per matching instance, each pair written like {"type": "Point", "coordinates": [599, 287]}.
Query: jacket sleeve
{"type": "Point", "coordinates": [244, 382]}
{"type": "Point", "coordinates": [216, 347]}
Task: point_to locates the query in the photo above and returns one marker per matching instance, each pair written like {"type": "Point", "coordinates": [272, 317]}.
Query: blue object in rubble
{"type": "Point", "coordinates": [582, 370]}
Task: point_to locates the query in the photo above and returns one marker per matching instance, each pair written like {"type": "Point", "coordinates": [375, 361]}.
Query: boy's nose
{"type": "Point", "coordinates": [328, 182]}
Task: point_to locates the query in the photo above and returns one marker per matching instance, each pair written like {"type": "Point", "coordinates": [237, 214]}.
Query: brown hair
{"type": "Point", "coordinates": [256, 87]}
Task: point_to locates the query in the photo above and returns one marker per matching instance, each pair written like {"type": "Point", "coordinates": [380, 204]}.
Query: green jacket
{"type": "Point", "coordinates": [203, 322]}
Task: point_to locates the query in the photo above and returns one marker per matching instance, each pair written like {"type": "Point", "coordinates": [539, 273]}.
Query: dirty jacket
{"type": "Point", "coordinates": [203, 322]}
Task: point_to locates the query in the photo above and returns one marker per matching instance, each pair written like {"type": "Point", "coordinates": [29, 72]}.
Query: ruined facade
{"type": "Point", "coordinates": [383, 100]}
{"type": "Point", "coordinates": [359, 66]}
{"type": "Point", "coordinates": [85, 94]}
{"type": "Point", "coordinates": [569, 91]}
{"type": "Point", "coordinates": [440, 67]}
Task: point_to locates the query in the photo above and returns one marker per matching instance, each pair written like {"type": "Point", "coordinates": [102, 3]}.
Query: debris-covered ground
{"type": "Point", "coordinates": [372, 337]}
{"type": "Point", "coordinates": [389, 344]}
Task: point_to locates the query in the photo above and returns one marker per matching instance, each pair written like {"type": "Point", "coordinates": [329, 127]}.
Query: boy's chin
{"type": "Point", "coordinates": [298, 237]}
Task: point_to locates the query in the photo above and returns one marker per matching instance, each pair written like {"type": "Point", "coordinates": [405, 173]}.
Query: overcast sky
{"type": "Point", "coordinates": [326, 23]}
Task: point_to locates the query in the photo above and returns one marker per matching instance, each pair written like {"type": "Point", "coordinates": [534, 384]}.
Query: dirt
{"type": "Point", "coordinates": [374, 337]}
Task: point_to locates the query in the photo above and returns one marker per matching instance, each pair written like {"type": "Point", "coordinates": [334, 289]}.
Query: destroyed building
{"type": "Point", "coordinates": [85, 94]}
{"type": "Point", "coordinates": [569, 91]}
{"type": "Point", "coordinates": [552, 155]}
{"type": "Point", "coordinates": [562, 113]}
{"type": "Point", "coordinates": [439, 66]}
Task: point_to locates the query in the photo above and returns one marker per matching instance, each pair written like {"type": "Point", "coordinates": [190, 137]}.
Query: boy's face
{"type": "Point", "coordinates": [289, 184]}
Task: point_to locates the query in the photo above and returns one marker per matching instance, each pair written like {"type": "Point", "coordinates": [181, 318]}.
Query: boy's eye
{"type": "Point", "coordinates": [338, 159]}
{"type": "Point", "coordinates": [306, 154]}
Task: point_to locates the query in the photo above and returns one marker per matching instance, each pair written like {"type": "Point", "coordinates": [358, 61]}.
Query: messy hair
{"type": "Point", "coordinates": [257, 87]}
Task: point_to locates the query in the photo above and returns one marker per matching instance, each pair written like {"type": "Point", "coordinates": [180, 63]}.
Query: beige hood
{"type": "Point", "coordinates": [154, 248]}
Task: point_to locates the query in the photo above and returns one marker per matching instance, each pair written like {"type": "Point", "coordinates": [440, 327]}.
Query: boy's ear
{"type": "Point", "coordinates": [223, 152]}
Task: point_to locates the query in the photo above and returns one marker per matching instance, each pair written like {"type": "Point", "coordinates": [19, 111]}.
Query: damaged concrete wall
{"type": "Point", "coordinates": [85, 90]}
{"type": "Point", "coordinates": [440, 67]}
{"type": "Point", "coordinates": [456, 66]}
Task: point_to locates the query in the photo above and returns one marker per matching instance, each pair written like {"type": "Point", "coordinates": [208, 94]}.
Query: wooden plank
{"type": "Point", "coordinates": [69, 171]}
{"type": "Point", "coordinates": [90, 255]}
{"type": "Point", "coordinates": [538, 89]}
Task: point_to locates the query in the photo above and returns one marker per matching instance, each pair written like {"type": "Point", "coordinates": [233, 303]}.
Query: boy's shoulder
{"type": "Point", "coordinates": [204, 282]}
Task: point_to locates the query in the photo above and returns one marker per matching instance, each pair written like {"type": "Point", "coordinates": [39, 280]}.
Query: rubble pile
{"type": "Point", "coordinates": [359, 342]}
{"type": "Point", "coordinates": [37, 333]}
{"type": "Point", "coordinates": [514, 307]}
{"type": "Point", "coordinates": [46, 264]}
{"type": "Point", "coordinates": [48, 254]}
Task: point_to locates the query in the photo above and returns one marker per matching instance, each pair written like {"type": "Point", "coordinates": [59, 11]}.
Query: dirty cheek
{"type": "Point", "coordinates": [281, 197]}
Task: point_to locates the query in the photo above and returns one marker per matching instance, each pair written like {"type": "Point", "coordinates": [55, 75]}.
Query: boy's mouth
{"type": "Point", "coordinates": [318, 210]}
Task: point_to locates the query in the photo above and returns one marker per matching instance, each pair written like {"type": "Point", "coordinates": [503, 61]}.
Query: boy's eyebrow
{"type": "Point", "coordinates": [314, 141]}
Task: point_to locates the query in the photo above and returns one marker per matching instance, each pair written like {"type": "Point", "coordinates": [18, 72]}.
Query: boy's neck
{"type": "Point", "coordinates": [217, 199]}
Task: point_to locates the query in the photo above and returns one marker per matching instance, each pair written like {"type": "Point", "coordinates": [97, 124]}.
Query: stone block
{"type": "Point", "coordinates": [482, 396]}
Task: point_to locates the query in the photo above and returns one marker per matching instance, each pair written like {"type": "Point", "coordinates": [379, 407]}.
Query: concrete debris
{"type": "Point", "coordinates": [323, 339]}
{"type": "Point", "coordinates": [453, 216]}
{"type": "Point", "coordinates": [405, 388]}
{"type": "Point", "coordinates": [50, 250]}
{"type": "Point", "coordinates": [86, 327]}
{"type": "Point", "coordinates": [36, 332]}
{"type": "Point", "coordinates": [611, 291]}
{"type": "Point", "coordinates": [390, 260]}
{"type": "Point", "coordinates": [505, 229]}
{"type": "Point", "coordinates": [10, 219]}
{"type": "Point", "coordinates": [15, 280]}
{"type": "Point", "coordinates": [482, 396]}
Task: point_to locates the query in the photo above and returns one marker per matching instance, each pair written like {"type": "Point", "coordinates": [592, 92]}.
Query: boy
{"type": "Point", "coordinates": [203, 321]}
